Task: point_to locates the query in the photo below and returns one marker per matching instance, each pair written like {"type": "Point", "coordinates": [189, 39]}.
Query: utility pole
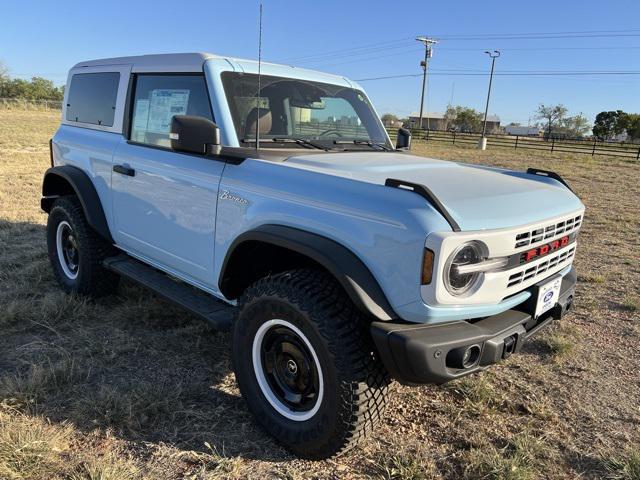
{"type": "Point", "coordinates": [483, 140]}
{"type": "Point", "coordinates": [428, 53]}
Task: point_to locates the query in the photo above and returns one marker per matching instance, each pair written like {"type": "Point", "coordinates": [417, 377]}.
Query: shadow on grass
{"type": "Point", "coordinates": [129, 363]}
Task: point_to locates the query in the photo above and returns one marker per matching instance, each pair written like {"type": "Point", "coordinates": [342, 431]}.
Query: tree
{"type": "Point", "coordinates": [552, 114]}
{"type": "Point", "coordinates": [462, 119]}
{"type": "Point", "coordinates": [632, 124]}
{"type": "Point", "coordinates": [575, 126]}
{"type": "Point", "coordinates": [609, 124]}
{"type": "Point", "coordinates": [388, 117]}
{"type": "Point", "coordinates": [37, 88]}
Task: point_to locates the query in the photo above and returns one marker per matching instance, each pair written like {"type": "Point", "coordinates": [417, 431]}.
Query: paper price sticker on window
{"type": "Point", "coordinates": [164, 104]}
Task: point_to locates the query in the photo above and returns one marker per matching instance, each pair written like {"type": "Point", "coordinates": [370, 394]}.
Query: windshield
{"type": "Point", "coordinates": [313, 113]}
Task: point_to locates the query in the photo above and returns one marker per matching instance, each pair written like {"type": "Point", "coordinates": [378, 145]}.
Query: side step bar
{"type": "Point", "coordinates": [218, 313]}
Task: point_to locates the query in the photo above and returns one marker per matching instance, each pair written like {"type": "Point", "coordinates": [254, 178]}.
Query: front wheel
{"type": "Point", "coordinates": [305, 363]}
{"type": "Point", "coordinates": [76, 251]}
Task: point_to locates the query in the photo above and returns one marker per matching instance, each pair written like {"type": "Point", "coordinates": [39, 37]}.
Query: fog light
{"type": "Point", "coordinates": [463, 357]}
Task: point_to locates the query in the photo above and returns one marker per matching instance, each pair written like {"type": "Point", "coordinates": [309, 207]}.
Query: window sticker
{"type": "Point", "coordinates": [140, 120]}
{"type": "Point", "coordinates": [164, 104]}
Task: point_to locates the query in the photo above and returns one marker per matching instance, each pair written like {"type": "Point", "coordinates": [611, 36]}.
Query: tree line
{"type": "Point", "coordinates": [609, 125]}
{"type": "Point", "coordinates": [553, 120]}
{"type": "Point", "coordinates": [37, 88]}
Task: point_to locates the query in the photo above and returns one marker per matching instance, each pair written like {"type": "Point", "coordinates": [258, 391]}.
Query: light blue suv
{"type": "Point", "coordinates": [277, 206]}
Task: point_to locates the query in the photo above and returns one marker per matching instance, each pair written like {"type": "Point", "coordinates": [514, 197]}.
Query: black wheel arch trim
{"type": "Point", "coordinates": [85, 191]}
{"type": "Point", "coordinates": [354, 276]}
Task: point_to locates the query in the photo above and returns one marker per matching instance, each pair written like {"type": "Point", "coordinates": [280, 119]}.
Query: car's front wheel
{"type": "Point", "coordinates": [306, 365]}
{"type": "Point", "coordinates": [76, 251]}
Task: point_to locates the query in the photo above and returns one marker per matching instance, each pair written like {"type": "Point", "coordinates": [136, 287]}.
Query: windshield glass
{"type": "Point", "coordinates": [331, 116]}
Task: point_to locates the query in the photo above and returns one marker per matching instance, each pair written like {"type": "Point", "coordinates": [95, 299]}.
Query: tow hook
{"type": "Point", "coordinates": [509, 346]}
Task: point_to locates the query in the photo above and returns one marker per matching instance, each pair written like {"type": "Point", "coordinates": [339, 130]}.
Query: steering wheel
{"type": "Point", "coordinates": [329, 132]}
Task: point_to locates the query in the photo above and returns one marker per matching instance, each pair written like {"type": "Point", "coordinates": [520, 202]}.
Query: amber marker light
{"type": "Point", "coordinates": [427, 267]}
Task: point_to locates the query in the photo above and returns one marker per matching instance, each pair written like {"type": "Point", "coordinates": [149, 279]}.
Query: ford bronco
{"type": "Point", "coordinates": [275, 205]}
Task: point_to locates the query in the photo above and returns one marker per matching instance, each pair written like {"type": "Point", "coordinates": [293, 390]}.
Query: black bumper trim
{"type": "Point", "coordinates": [417, 353]}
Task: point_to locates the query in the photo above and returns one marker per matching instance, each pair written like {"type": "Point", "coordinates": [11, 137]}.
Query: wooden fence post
{"type": "Point", "coordinates": [553, 144]}
{"type": "Point", "coordinates": [517, 137]}
{"type": "Point", "coordinates": [593, 152]}
{"type": "Point", "coordinates": [454, 138]}
{"type": "Point", "coordinates": [638, 156]}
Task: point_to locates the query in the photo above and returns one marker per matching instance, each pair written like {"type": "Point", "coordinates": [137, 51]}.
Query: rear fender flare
{"type": "Point", "coordinates": [69, 180]}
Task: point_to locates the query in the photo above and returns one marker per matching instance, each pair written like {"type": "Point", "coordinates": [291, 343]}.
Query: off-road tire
{"type": "Point", "coordinates": [92, 278]}
{"type": "Point", "coordinates": [355, 381]}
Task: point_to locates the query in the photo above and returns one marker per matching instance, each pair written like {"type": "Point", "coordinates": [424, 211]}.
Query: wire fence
{"type": "Point", "coordinates": [588, 147]}
{"type": "Point", "coordinates": [28, 104]}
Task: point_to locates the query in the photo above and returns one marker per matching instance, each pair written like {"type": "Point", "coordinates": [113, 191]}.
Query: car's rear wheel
{"type": "Point", "coordinates": [306, 365]}
{"type": "Point", "coordinates": [76, 251]}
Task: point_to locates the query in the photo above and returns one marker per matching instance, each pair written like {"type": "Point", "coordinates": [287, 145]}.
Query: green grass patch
{"type": "Point", "coordinates": [625, 467]}
{"type": "Point", "coordinates": [518, 460]}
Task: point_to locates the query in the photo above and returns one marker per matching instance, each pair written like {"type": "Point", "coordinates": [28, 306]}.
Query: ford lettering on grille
{"type": "Point", "coordinates": [543, 250]}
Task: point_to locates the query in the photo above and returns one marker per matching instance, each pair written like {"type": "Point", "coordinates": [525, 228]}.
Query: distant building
{"type": "Point", "coordinates": [523, 131]}
{"type": "Point", "coordinates": [430, 120]}
{"type": "Point", "coordinates": [436, 121]}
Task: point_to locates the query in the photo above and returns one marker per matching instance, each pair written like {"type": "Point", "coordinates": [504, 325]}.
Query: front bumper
{"type": "Point", "coordinates": [416, 353]}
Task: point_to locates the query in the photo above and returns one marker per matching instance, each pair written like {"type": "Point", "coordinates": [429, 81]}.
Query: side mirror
{"type": "Point", "coordinates": [193, 134]}
{"type": "Point", "coordinates": [403, 141]}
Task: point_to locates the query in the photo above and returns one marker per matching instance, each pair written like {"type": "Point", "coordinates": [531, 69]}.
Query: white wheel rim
{"type": "Point", "coordinates": [62, 259]}
{"type": "Point", "coordinates": [258, 369]}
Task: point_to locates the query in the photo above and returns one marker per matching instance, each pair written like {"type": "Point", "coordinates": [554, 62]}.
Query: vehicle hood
{"type": "Point", "coordinates": [477, 197]}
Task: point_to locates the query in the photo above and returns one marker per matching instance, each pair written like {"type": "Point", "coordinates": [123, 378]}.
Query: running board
{"type": "Point", "coordinates": [218, 313]}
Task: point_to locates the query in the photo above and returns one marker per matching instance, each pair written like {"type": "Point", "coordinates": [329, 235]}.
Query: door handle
{"type": "Point", "coordinates": [128, 171]}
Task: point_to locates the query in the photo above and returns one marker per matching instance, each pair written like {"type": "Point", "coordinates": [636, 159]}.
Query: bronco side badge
{"type": "Point", "coordinates": [226, 195]}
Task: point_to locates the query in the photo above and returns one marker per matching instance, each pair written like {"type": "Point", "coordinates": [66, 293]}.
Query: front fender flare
{"type": "Point", "coordinates": [354, 276]}
{"type": "Point", "coordinates": [55, 184]}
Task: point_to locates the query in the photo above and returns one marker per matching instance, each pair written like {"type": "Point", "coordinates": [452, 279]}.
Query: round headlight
{"type": "Point", "coordinates": [460, 283]}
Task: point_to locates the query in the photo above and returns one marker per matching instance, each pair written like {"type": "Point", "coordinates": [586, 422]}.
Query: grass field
{"type": "Point", "coordinates": [129, 387]}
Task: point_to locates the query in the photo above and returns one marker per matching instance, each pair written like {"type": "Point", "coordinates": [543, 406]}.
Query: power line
{"type": "Point", "coordinates": [412, 51]}
{"type": "Point", "coordinates": [398, 43]}
{"type": "Point", "coordinates": [503, 73]}
{"type": "Point", "coordinates": [586, 48]}
{"type": "Point", "coordinates": [528, 35]}
{"type": "Point", "coordinates": [363, 51]}
{"type": "Point", "coordinates": [380, 45]}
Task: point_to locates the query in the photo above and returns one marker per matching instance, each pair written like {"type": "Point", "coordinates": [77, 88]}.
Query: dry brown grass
{"type": "Point", "coordinates": [129, 387]}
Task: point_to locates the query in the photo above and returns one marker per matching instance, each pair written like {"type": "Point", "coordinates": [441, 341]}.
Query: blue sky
{"type": "Point", "coordinates": [46, 38]}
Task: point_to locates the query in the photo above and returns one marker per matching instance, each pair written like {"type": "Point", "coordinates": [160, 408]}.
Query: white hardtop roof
{"type": "Point", "coordinates": [193, 62]}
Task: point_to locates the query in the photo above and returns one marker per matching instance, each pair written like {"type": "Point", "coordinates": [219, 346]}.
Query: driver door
{"type": "Point", "coordinates": [164, 202]}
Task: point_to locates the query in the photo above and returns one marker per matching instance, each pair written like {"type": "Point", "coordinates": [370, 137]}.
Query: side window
{"type": "Point", "coordinates": [92, 98]}
{"type": "Point", "coordinates": [158, 98]}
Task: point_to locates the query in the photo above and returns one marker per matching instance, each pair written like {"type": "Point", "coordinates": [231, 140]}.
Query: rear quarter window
{"type": "Point", "coordinates": [92, 98]}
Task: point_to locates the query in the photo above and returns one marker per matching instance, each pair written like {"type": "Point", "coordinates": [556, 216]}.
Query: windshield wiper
{"type": "Point", "coordinates": [369, 143]}
{"type": "Point", "coordinates": [299, 141]}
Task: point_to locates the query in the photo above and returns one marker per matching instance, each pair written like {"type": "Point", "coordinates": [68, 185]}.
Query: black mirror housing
{"type": "Point", "coordinates": [193, 134]}
{"type": "Point", "coordinates": [403, 140]}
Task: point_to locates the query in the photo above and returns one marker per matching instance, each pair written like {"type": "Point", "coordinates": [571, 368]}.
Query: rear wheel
{"type": "Point", "coordinates": [76, 251]}
{"type": "Point", "coordinates": [306, 365]}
